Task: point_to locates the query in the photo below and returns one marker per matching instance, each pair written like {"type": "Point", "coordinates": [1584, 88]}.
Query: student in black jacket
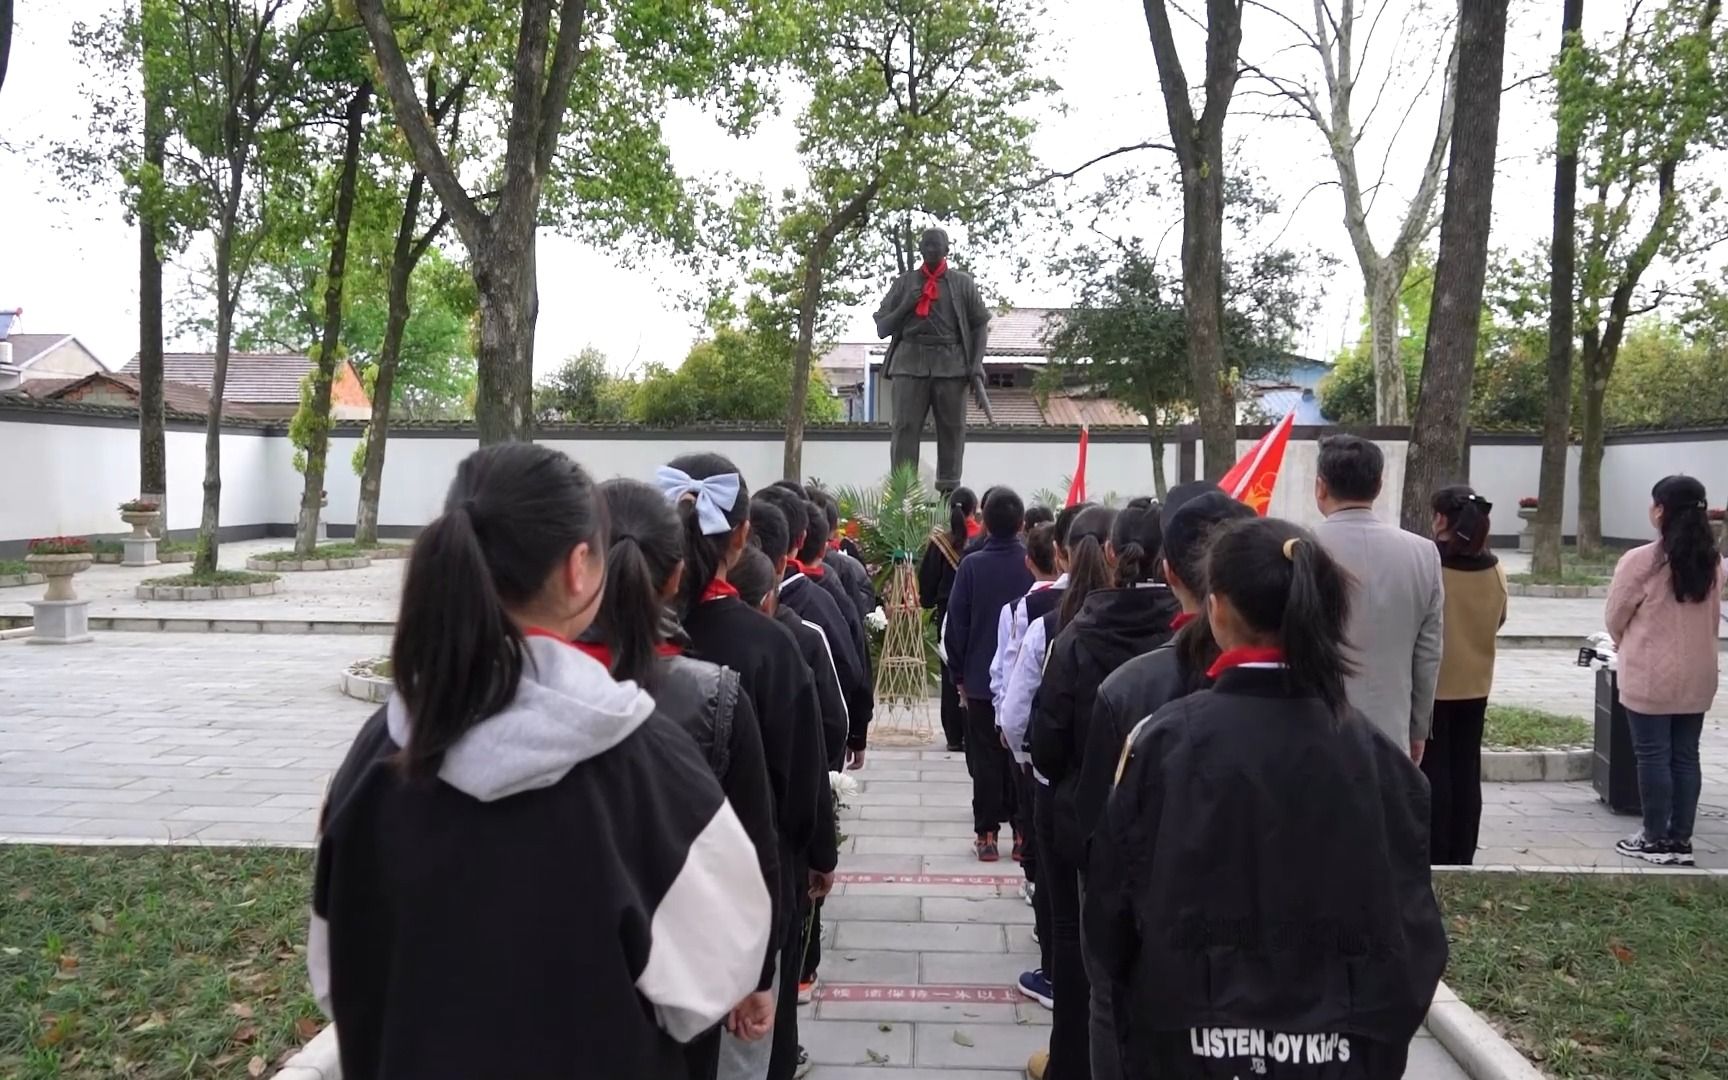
{"type": "Point", "coordinates": [863, 707]}
{"type": "Point", "coordinates": [841, 561]}
{"type": "Point", "coordinates": [1110, 627]}
{"type": "Point", "coordinates": [635, 637]}
{"type": "Point", "coordinates": [713, 501]}
{"type": "Point", "coordinates": [768, 532]}
{"type": "Point", "coordinates": [1259, 885]}
{"type": "Point", "coordinates": [936, 572]}
{"type": "Point", "coordinates": [521, 863]}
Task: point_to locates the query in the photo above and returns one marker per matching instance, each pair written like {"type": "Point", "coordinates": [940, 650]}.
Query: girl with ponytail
{"type": "Point", "coordinates": [511, 783]}
{"type": "Point", "coordinates": [1271, 842]}
{"type": "Point", "coordinates": [1664, 611]}
{"type": "Point", "coordinates": [936, 573]}
{"type": "Point", "coordinates": [636, 636]}
{"type": "Point", "coordinates": [1114, 610]}
{"type": "Point", "coordinates": [1476, 592]}
{"type": "Point", "coordinates": [710, 497]}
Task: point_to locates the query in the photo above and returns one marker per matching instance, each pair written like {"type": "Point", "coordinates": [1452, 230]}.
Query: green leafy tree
{"type": "Point", "coordinates": [1349, 394]}
{"type": "Point", "coordinates": [916, 112]}
{"type": "Point", "coordinates": [1126, 337]}
{"type": "Point", "coordinates": [733, 377]}
{"type": "Point", "coordinates": [576, 90]}
{"type": "Point", "coordinates": [1644, 108]}
{"type": "Point", "coordinates": [584, 391]}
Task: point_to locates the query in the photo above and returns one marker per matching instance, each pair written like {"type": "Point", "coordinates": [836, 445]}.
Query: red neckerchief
{"type": "Point", "coordinates": [603, 652]}
{"type": "Point", "coordinates": [810, 570]}
{"type": "Point", "coordinates": [834, 543]}
{"type": "Point", "coordinates": [927, 295]}
{"type": "Point", "coordinates": [717, 589]}
{"type": "Point", "coordinates": [1246, 655]}
{"type": "Point", "coordinates": [973, 527]}
{"type": "Point", "coordinates": [1183, 618]}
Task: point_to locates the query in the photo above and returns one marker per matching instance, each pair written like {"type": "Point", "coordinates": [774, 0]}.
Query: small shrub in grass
{"type": "Point", "coordinates": [219, 577]}
{"type": "Point", "coordinates": [176, 547]}
{"type": "Point", "coordinates": [322, 551]}
{"type": "Point", "coordinates": [107, 547]}
{"type": "Point", "coordinates": [1511, 727]}
{"type": "Point", "coordinates": [10, 567]}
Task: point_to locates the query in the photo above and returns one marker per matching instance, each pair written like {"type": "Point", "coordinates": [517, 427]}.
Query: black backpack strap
{"type": "Point", "coordinates": [725, 698]}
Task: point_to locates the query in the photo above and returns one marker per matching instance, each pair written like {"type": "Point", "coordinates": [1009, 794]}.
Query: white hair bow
{"type": "Point", "coordinates": [714, 496]}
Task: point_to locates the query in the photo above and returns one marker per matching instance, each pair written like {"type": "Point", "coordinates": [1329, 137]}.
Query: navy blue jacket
{"type": "Point", "coordinates": [993, 575]}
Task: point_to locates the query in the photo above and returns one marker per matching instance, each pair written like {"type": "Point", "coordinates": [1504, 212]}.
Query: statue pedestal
{"type": "Point", "coordinates": [140, 551]}
{"type": "Point", "coordinates": [61, 622]}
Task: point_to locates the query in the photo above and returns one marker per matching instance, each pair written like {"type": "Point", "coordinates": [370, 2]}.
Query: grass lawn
{"type": "Point", "coordinates": [150, 963]}
{"type": "Point", "coordinates": [1596, 977]}
{"type": "Point", "coordinates": [1575, 571]}
{"type": "Point", "coordinates": [219, 577]}
{"type": "Point", "coordinates": [341, 550]}
{"type": "Point", "coordinates": [1510, 727]}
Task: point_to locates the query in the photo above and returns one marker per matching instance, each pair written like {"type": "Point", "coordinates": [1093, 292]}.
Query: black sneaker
{"type": "Point", "coordinates": [1682, 852]}
{"type": "Point", "coordinates": [1639, 846]}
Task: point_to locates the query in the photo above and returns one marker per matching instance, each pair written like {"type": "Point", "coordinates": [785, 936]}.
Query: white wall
{"type": "Point", "coordinates": [64, 478]}
{"type": "Point", "coordinates": [69, 480]}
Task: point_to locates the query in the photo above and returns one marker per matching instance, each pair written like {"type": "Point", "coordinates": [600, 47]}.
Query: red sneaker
{"type": "Point", "coordinates": [985, 846]}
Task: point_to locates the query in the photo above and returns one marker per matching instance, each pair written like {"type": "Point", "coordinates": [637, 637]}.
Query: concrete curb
{"type": "Point", "coordinates": [1558, 592]}
{"type": "Point", "coordinates": [190, 593]}
{"type": "Point", "coordinates": [1540, 765]}
{"type": "Point", "coordinates": [317, 1060]}
{"type": "Point", "coordinates": [13, 581]}
{"type": "Point", "coordinates": [1477, 1048]}
{"type": "Point", "coordinates": [307, 566]}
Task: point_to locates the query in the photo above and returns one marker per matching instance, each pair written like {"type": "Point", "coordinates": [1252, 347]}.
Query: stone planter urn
{"type": "Point", "coordinates": [1527, 538]}
{"type": "Point", "coordinates": [60, 617]}
{"type": "Point", "coordinates": [141, 545]}
{"type": "Point", "coordinates": [322, 534]}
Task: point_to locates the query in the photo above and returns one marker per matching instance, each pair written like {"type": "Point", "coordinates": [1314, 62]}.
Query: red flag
{"type": "Point", "coordinates": [1077, 486]}
{"type": "Point", "coordinates": [1253, 477]}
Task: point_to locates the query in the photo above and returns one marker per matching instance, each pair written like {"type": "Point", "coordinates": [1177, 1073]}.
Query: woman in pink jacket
{"type": "Point", "coordinates": [1663, 610]}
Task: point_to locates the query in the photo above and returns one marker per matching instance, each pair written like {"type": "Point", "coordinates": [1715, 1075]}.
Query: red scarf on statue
{"type": "Point", "coordinates": [928, 295]}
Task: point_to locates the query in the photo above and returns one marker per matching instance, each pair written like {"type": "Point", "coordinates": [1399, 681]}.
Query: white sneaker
{"type": "Point", "coordinates": [1026, 888]}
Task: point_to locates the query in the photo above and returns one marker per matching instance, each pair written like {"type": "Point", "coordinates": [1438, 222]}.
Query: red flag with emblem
{"type": "Point", "coordinates": [1077, 486]}
{"type": "Point", "coordinates": [1254, 476]}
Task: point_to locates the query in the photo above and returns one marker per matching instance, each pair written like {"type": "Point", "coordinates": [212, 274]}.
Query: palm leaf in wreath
{"type": "Point", "coordinates": [894, 519]}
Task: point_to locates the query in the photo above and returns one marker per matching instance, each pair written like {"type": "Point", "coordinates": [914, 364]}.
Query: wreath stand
{"type": "Point", "coordinates": [904, 716]}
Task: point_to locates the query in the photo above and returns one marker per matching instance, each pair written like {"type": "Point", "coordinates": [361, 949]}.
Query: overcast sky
{"type": "Point", "coordinates": [72, 265]}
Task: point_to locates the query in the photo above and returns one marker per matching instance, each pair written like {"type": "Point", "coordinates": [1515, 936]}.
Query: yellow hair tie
{"type": "Point", "coordinates": [1290, 548]}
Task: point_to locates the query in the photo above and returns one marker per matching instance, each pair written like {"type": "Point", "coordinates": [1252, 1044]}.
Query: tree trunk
{"type": "Point", "coordinates": [402, 261]}
{"type": "Point", "coordinates": [1203, 303]}
{"type": "Point", "coordinates": [504, 279]}
{"type": "Point", "coordinates": [5, 37]}
{"type": "Point", "coordinates": [1596, 366]}
{"type": "Point", "coordinates": [1562, 261]}
{"type": "Point", "coordinates": [1391, 396]}
{"type": "Point", "coordinates": [324, 374]}
{"type": "Point", "coordinates": [312, 495]}
{"type": "Point", "coordinates": [152, 444]}
{"type": "Point", "coordinates": [1160, 482]}
{"type": "Point", "coordinates": [1436, 448]}
{"type": "Point", "coordinates": [809, 301]}
{"type": "Point", "coordinates": [210, 520]}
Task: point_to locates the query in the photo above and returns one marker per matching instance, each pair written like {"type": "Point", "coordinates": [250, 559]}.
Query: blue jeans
{"type": "Point", "coordinates": [1669, 777]}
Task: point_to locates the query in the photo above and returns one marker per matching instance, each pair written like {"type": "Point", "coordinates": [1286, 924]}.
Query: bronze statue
{"type": "Point", "coordinates": [940, 327]}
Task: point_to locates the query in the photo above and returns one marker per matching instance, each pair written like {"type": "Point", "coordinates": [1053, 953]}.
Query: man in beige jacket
{"type": "Point", "coordinates": [1397, 604]}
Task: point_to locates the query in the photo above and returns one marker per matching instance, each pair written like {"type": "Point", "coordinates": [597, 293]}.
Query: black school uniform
{"type": "Point", "coordinates": [771, 668]}
{"type": "Point", "coordinates": [810, 602]}
{"type": "Point", "coordinates": [829, 696]}
{"type": "Point", "coordinates": [1259, 890]}
{"type": "Point", "coordinates": [862, 704]}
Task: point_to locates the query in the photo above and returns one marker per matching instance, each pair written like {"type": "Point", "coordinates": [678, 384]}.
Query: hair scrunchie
{"type": "Point", "coordinates": [714, 497]}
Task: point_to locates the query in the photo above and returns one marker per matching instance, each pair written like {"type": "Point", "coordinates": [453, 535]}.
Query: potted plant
{"type": "Point", "coordinates": [1527, 513]}
{"type": "Point", "coordinates": [141, 514]}
{"type": "Point", "coordinates": [57, 558]}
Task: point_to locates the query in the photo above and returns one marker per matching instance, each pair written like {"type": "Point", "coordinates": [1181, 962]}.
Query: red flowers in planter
{"type": "Point", "coordinates": [59, 545]}
{"type": "Point", "coordinates": [138, 506]}
{"type": "Point", "coordinates": [1717, 514]}
{"type": "Point", "coordinates": [1528, 502]}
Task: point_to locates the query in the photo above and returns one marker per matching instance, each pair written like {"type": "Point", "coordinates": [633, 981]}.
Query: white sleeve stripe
{"type": "Point", "coordinates": [709, 932]}
{"type": "Point", "coordinates": [834, 669]}
{"type": "Point", "coordinates": [318, 962]}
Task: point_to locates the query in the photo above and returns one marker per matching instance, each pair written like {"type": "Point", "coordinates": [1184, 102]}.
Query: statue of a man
{"type": "Point", "coordinates": [939, 326]}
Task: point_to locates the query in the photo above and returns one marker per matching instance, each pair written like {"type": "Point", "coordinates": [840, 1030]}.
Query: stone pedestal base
{"type": "Point", "coordinates": [140, 551]}
{"type": "Point", "coordinates": [61, 622]}
{"type": "Point", "coordinates": [1527, 541]}
{"type": "Point", "coordinates": [323, 534]}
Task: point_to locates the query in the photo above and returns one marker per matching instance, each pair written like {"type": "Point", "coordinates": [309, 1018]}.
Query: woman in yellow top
{"type": "Point", "coordinates": [1476, 593]}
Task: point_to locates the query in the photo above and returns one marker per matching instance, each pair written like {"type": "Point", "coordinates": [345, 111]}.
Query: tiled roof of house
{"type": "Point", "coordinates": [27, 347]}
{"type": "Point", "coordinates": [45, 388]}
{"type": "Point", "coordinates": [1023, 331]}
{"type": "Point", "coordinates": [1020, 406]}
{"type": "Point", "coordinates": [253, 378]}
{"type": "Point", "coordinates": [177, 397]}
